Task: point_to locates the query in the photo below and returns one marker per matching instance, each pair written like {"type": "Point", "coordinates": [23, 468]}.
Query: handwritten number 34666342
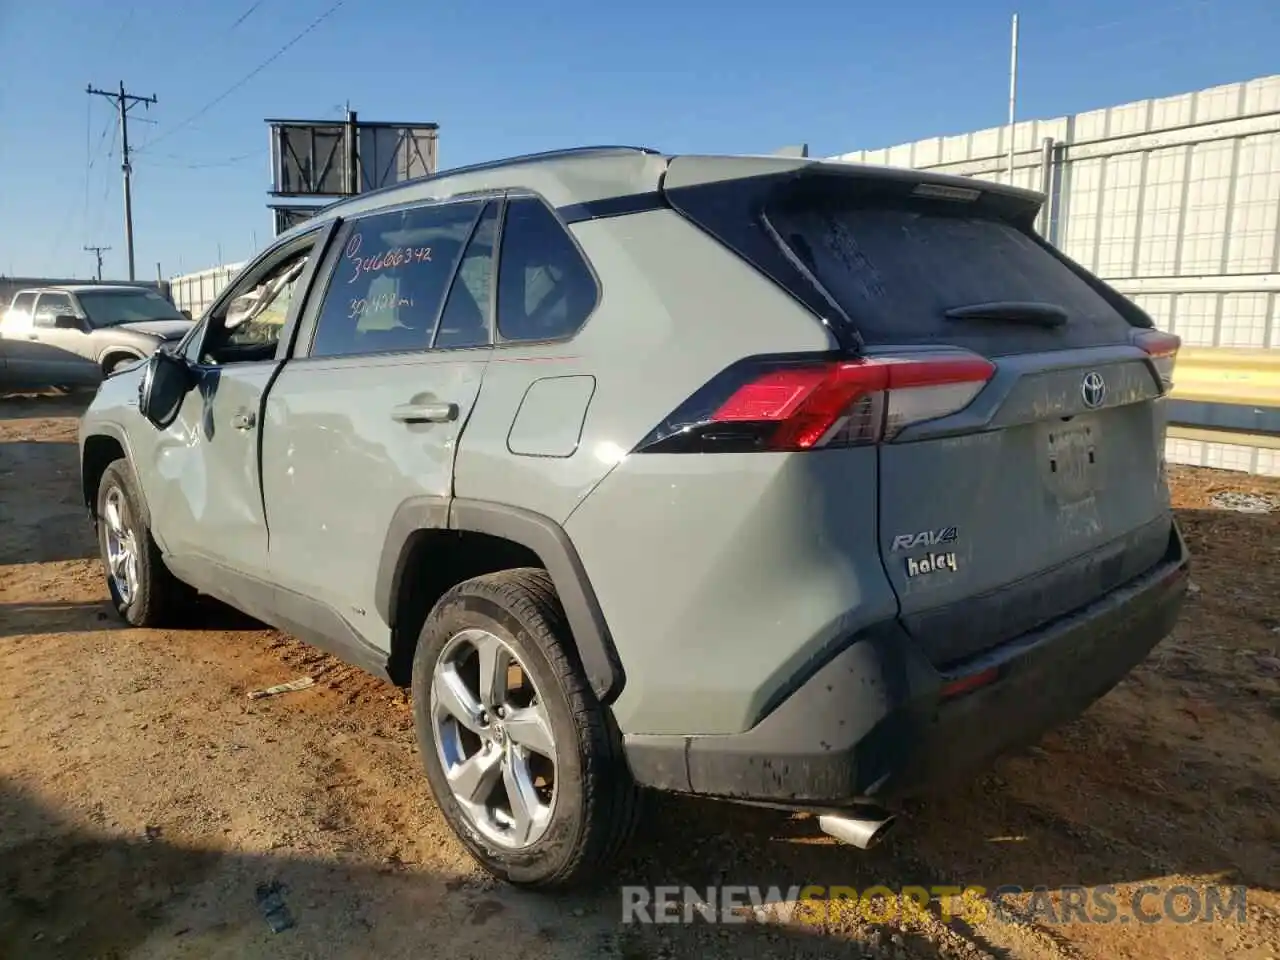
{"type": "Point", "coordinates": [397, 257]}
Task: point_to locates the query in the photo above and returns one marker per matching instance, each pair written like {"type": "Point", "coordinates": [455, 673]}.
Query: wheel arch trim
{"type": "Point", "coordinates": [120, 436]}
{"type": "Point", "coordinates": [115, 350]}
{"type": "Point", "coordinates": [538, 533]}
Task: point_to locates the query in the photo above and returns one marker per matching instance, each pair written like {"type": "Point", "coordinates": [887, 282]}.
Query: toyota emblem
{"type": "Point", "coordinates": [1093, 389]}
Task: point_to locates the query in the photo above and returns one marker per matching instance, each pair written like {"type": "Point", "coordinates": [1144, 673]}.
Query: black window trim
{"type": "Point", "coordinates": [316, 239]}
{"type": "Point", "coordinates": [499, 203]}
{"type": "Point", "coordinates": [302, 352]}
{"type": "Point", "coordinates": [500, 341]}
{"type": "Point", "coordinates": [308, 320]}
{"type": "Point", "coordinates": [704, 205]}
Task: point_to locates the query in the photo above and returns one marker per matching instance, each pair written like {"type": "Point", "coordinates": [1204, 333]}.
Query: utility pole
{"type": "Point", "coordinates": [124, 103]}
{"type": "Point", "coordinates": [97, 252]}
{"type": "Point", "coordinates": [351, 154]}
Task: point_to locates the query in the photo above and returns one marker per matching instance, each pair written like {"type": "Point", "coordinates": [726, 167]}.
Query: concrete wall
{"type": "Point", "coordinates": [194, 292]}
{"type": "Point", "coordinates": [1174, 201]}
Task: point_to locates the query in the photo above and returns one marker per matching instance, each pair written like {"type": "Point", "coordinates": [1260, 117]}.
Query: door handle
{"type": "Point", "coordinates": [243, 421]}
{"type": "Point", "coordinates": [33, 336]}
{"type": "Point", "coordinates": [425, 412]}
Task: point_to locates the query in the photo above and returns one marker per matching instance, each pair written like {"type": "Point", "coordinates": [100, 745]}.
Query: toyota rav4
{"type": "Point", "coordinates": [773, 480]}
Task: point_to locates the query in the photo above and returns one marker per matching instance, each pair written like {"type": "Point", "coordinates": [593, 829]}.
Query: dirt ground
{"type": "Point", "coordinates": [147, 806]}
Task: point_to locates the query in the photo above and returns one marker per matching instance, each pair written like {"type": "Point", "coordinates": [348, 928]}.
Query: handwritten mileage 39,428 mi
{"type": "Point", "coordinates": [383, 301]}
{"type": "Point", "coordinates": [397, 257]}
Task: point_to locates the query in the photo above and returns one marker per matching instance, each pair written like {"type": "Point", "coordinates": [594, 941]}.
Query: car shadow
{"type": "Point", "coordinates": [30, 404]}
{"type": "Point", "coordinates": [26, 619]}
{"type": "Point", "coordinates": [42, 515]}
{"type": "Point", "coordinates": [68, 891]}
{"type": "Point", "coordinates": [35, 618]}
{"type": "Point", "coordinates": [40, 503]}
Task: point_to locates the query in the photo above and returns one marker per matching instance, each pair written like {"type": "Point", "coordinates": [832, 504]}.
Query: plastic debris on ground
{"type": "Point", "coordinates": [300, 684]}
{"type": "Point", "coordinates": [275, 911]}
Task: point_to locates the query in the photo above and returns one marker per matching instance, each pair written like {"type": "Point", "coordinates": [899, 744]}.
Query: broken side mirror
{"type": "Point", "coordinates": [165, 383]}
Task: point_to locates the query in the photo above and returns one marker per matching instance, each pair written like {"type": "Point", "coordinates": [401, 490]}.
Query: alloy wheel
{"type": "Point", "coordinates": [494, 739]}
{"type": "Point", "coordinates": [122, 546]}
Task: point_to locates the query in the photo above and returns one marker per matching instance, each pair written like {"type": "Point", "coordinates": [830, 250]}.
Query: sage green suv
{"type": "Point", "coordinates": [775, 480]}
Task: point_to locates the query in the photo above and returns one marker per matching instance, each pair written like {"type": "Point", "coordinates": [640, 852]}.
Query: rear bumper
{"type": "Point", "coordinates": [875, 723]}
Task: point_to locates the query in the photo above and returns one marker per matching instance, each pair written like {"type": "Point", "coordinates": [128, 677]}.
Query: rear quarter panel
{"type": "Point", "coordinates": [675, 309]}
{"type": "Point", "coordinates": [720, 575]}
{"type": "Point", "coordinates": [727, 578]}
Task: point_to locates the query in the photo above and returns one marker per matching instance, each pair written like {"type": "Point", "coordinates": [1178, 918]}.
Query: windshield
{"type": "Point", "coordinates": [110, 308]}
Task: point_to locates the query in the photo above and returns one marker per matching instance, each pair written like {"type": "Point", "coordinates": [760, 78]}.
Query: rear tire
{"type": "Point", "coordinates": [546, 723]}
{"type": "Point", "coordinates": [142, 589]}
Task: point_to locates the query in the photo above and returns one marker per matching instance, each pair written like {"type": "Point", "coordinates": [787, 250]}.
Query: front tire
{"type": "Point", "coordinates": [142, 589]}
{"type": "Point", "coordinates": [524, 762]}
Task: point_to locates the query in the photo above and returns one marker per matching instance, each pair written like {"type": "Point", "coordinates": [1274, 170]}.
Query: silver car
{"type": "Point", "coordinates": [76, 335]}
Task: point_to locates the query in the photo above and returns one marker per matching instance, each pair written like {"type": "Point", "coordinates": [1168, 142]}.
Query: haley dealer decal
{"type": "Point", "coordinates": [931, 563]}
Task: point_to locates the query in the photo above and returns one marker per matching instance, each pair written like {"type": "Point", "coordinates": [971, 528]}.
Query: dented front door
{"type": "Point", "coordinates": [207, 497]}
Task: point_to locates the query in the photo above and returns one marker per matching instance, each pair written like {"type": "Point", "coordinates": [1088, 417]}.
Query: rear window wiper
{"type": "Point", "coordinates": [1011, 311]}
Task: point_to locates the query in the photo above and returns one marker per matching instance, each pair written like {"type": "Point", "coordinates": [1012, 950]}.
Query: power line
{"type": "Point", "coordinates": [248, 76]}
{"type": "Point", "coordinates": [88, 156]}
{"type": "Point", "coordinates": [106, 128]}
{"type": "Point", "coordinates": [65, 223]}
{"type": "Point", "coordinates": [124, 23]}
{"type": "Point", "coordinates": [1145, 18]}
{"type": "Point", "coordinates": [93, 228]}
{"type": "Point", "coordinates": [186, 163]}
{"type": "Point", "coordinates": [245, 16]}
{"type": "Point", "coordinates": [91, 154]}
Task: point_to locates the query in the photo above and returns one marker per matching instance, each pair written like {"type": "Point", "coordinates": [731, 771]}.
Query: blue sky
{"type": "Point", "coordinates": [503, 77]}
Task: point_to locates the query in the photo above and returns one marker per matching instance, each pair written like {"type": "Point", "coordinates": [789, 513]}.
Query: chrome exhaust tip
{"type": "Point", "coordinates": [863, 828]}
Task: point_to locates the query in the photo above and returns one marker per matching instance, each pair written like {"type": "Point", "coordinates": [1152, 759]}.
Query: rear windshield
{"type": "Point", "coordinates": [896, 267]}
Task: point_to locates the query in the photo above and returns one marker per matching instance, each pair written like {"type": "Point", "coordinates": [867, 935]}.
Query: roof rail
{"type": "Point", "coordinates": [545, 156]}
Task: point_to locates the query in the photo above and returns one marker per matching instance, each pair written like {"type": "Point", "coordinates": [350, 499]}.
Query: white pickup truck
{"type": "Point", "coordinates": [74, 335]}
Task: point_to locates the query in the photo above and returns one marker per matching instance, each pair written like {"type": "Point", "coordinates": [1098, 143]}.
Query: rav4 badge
{"type": "Point", "coordinates": [925, 538]}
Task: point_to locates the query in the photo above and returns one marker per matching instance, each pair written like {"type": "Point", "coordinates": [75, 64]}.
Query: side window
{"type": "Point", "coordinates": [18, 316]}
{"type": "Point", "coordinates": [258, 317]}
{"type": "Point", "coordinates": [545, 289]}
{"type": "Point", "coordinates": [50, 306]}
{"type": "Point", "coordinates": [465, 320]}
{"type": "Point", "coordinates": [386, 290]}
{"type": "Point", "coordinates": [193, 346]}
{"type": "Point", "coordinates": [248, 328]}
{"type": "Point", "coordinates": [23, 303]}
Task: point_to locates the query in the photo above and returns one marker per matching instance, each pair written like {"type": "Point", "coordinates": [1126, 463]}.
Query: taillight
{"type": "Point", "coordinates": [1162, 348]}
{"type": "Point", "coordinates": [787, 404]}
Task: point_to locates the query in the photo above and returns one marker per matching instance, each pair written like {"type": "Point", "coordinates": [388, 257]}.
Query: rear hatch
{"type": "Point", "coordinates": [1020, 464]}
